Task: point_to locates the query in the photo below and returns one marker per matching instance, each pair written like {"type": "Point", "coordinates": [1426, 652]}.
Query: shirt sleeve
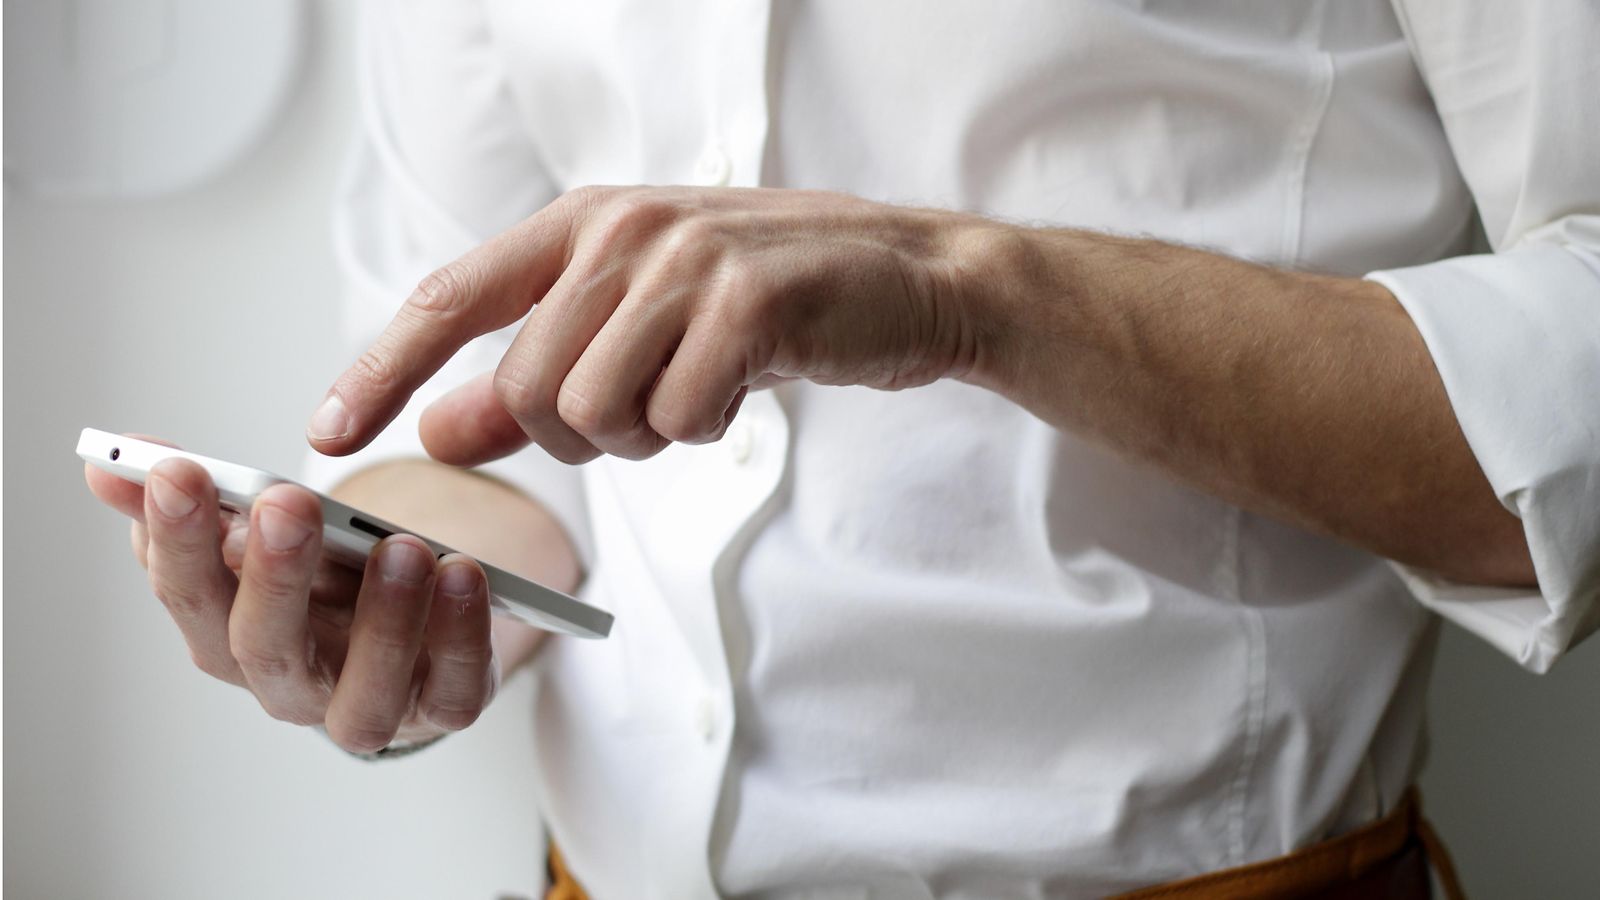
{"type": "Point", "coordinates": [1515, 334]}
{"type": "Point", "coordinates": [441, 163]}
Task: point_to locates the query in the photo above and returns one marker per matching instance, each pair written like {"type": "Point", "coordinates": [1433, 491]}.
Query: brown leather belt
{"type": "Point", "coordinates": [562, 885]}
{"type": "Point", "coordinates": [1384, 860]}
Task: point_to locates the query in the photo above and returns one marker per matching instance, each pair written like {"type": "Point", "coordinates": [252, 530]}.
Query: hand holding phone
{"type": "Point", "coordinates": [399, 648]}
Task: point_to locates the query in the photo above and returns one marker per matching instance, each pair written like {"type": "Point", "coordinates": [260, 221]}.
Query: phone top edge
{"type": "Point", "coordinates": [238, 486]}
{"type": "Point", "coordinates": [132, 459]}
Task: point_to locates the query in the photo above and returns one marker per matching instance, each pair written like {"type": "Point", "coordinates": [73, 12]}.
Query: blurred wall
{"type": "Point", "coordinates": [209, 318]}
{"type": "Point", "coordinates": [1513, 781]}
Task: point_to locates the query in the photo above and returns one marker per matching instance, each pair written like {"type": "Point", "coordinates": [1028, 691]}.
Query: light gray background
{"type": "Point", "coordinates": [208, 318]}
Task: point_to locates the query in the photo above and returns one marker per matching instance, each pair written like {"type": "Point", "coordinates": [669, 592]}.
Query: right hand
{"type": "Point", "coordinates": [402, 650]}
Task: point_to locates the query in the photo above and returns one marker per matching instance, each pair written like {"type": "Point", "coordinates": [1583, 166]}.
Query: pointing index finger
{"type": "Point", "coordinates": [489, 288]}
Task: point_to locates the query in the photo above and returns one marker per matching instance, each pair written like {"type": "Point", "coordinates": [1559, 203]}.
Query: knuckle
{"type": "Point", "coordinates": [361, 733]}
{"type": "Point", "coordinates": [688, 239]}
{"type": "Point", "coordinates": [155, 576]}
{"type": "Point", "coordinates": [376, 369]}
{"type": "Point", "coordinates": [446, 291]}
{"type": "Point", "coordinates": [586, 416]}
{"type": "Point", "coordinates": [390, 641]}
{"type": "Point", "coordinates": [294, 714]}
{"type": "Point", "coordinates": [575, 455]}
{"type": "Point", "coordinates": [261, 662]}
{"type": "Point", "coordinates": [586, 196]}
{"type": "Point", "coordinates": [206, 661]}
{"type": "Point", "coordinates": [617, 428]}
{"type": "Point", "coordinates": [280, 575]}
{"type": "Point", "coordinates": [631, 216]}
{"type": "Point", "coordinates": [641, 443]}
{"type": "Point", "coordinates": [634, 207]}
{"type": "Point", "coordinates": [276, 588]}
{"type": "Point", "coordinates": [524, 398]}
{"type": "Point", "coordinates": [182, 604]}
{"type": "Point", "coordinates": [685, 426]}
{"type": "Point", "coordinates": [471, 656]}
{"type": "Point", "coordinates": [179, 542]}
{"type": "Point", "coordinates": [453, 716]}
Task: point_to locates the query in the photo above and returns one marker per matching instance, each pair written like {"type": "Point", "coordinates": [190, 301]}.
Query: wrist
{"type": "Point", "coordinates": [1000, 275]}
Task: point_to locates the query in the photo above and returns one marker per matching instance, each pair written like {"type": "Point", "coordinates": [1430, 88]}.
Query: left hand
{"type": "Point", "coordinates": [404, 649]}
{"type": "Point", "coordinates": [657, 309]}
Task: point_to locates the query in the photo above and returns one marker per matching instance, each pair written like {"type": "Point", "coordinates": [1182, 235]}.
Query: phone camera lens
{"type": "Point", "coordinates": [115, 452]}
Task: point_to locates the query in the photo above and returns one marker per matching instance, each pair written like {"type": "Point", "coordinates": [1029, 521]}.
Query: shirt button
{"type": "Point", "coordinates": [714, 168]}
{"type": "Point", "coordinates": [705, 718]}
{"type": "Point", "coordinates": [741, 442]}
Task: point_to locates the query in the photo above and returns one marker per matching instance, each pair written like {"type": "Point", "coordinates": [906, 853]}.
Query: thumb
{"type": "Point", "coordinates": [469, 426]}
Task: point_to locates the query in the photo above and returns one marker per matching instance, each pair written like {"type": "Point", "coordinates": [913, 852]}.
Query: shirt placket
{"type": "Point", "coordinates": [735, 94]}
{"type": "Point", "coordinates": [731, 482]}
{"type": "Point", "coordinates": [704, 520]}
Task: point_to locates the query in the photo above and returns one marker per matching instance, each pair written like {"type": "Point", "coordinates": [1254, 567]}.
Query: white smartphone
{"type": "Point", "coordinates": [348, 534]}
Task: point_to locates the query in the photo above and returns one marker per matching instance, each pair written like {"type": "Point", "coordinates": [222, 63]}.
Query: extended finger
{"type": "Point", "coordinates": [487, 289]}
{"type": "Point", "coordinates": [268, 629]}
{"type": "Point", "coordinates": [376, 687]}
{"type": "Point", "coordinates": [461, 670]}
{"type": "Point", "coordinates": [185, 562]}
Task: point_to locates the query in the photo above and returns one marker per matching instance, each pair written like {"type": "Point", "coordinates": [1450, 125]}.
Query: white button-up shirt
{"type": "Point", "coordinates": [921, 644]}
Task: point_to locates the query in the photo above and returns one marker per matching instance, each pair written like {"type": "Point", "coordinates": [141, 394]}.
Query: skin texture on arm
{"type": "Point", "coordinates": [1309, 398]}
{"type": "Point", "coordinates": [490, 520]}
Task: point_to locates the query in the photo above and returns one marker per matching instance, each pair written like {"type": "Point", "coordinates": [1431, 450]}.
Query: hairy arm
{"type": "Point", "coordinates": [1309, 398]}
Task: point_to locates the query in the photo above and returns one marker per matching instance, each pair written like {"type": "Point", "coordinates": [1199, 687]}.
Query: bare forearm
{"type": "Point", "coordinates": [478, 516]}
{"type": "Point", "coordinates": [1309, 398]}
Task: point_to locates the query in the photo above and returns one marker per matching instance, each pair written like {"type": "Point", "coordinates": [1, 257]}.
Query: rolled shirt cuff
{"type": "Point", "coordinates": [1516, 339]}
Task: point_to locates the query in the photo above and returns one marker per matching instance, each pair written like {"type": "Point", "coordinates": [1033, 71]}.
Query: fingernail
{"type": "Point", "coordinates": [280, 530]}
{"type": "Point", "coordinates": [458, 580]}
{"type": "Point", "coordinates": [404, 562]}
{"type": "Point", "coordinates": [330, 420]}
{"type": "Point", "coordinates": [171, 499]}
